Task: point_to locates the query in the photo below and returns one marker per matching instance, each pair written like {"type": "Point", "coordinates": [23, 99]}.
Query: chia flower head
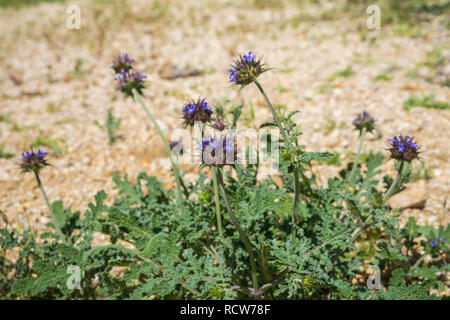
{"type": "Point", "coordinates": [122, 63]}
{"type": "Point", "coordinates": [219, 151]}
{"type": "Point", "coordinates": [403, 148]}
{"type": "Point", "coordinates": [364, 120]}
{"type": "Point", "coordinates": [129, 80]}
{"type": "Point", "coordinates": [33, 161]}
{"type": "Point", "coordinates": [197, 111]}
{"type": "Point", "coordinates": [245, 68]}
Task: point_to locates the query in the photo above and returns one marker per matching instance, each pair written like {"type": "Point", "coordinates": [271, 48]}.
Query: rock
{"type": "Point", "coordinates": [409, 198]}
{"type": "Point", "coordinates": [171, 72]}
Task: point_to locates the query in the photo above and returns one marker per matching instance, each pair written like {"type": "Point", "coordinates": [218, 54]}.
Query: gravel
{"type": "Point", "coordinates": [56, 82]}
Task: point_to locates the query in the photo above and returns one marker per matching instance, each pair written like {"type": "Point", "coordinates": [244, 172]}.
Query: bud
{"type": "Point", "coordinates": [364, 120]}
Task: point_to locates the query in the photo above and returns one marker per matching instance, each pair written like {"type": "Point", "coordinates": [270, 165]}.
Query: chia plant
{"type": "Point", "coordinates": [403, 149]}
{"type": "Point", "coordinates": [286, 239]}
{"type": "Point", "coordinates": [245, 71]}
{"type": "Point", "coordinates": [35, 162]}
{"type": "Point", "coordinates": [132, 83]}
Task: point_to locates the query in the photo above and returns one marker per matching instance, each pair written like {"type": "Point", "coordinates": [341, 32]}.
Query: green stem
{"type": "Point", "coordinates": [216, 199]}
{"type": "Point", "coordinates": [369, 221]}
{"type": "Point", "coordinates": [176, 170]}
{"type": "Point", "coordinates": [263, 264]}
{"type": "Point", "coordinates": [52, 214]}
{"type": "Point", "coordinates": [296, 172]}
{"type": "Point", "coordinates": [361, 140]}
{"type": "Point", "coordinates": [241, 232]}
{"type": "Point", "coordinates": [394, 184]}
{"type": "Point", "coordinates": [417, 263]}
{"type": "Point", "coordinates": [296, 201]}
{"type": "Point", "coordinates": [272, 110]}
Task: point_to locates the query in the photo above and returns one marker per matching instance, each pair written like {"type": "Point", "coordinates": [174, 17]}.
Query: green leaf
{"type": "Point", "coordinates": [309, 156]}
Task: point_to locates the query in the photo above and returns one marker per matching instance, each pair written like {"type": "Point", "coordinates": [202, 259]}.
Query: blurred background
{"type": "Point", "coordinates": [57, 90]}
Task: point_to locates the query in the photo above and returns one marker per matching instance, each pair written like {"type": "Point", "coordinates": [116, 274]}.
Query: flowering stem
{"type": "Point", "coordinates": [387, 195]}
{"type": "Point", "coordinates": [52, 213]}
{"type": "Point", "coordinates": [285, 138]}
{"type": "Point", "coordinates": [241, 232]}
{"type": "Point", "coordinates": [176, 171]}
{"type": "Point", "coordinates": [296, 200]}
{"type": "Point", "coordinates": [271, 108]}
{"type": "Point", "coordinates": [216, 199]}
{"type": "Point", "coordinates": [361, 140]}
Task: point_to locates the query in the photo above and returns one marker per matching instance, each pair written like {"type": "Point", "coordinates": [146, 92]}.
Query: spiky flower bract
{"type": "Point", "coordinates": [245, 69]}
{"type": "Point", "coordinates": [122, 63]}
{"type": "Point", "coordinates": [219, 151]}
{"type": "Point", "coordinates": [197, 111]}
{"type": "Point", "coordinates": [403, 148]}
{"type": "Point", "coordinates": [129, 80]}
{"type": "Point", "coordinates": [33, 161]}
{"type": "Point", "coordinates": [364, 121]}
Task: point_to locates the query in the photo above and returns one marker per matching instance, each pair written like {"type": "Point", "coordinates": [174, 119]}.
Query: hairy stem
{"type": "Point", "coordinates": [241, 232]}
{"type": "Point", "coordinates": [216, 199]}
{"type": "Point", "coordinates": [272, 110]}
{"type": "Point", "coordinates": [387, 195]}
{"type": "Point", "coordinates": [52, 214]}
{"type": "Point", "coordinates": [296, 171]}
{"type": "Point", "coordinates": [296, 201]}
{"type": "Point", "coordinates": [369, 221]}
{"type": "Point", "coordinates": [176, 170]}
{"type": "Point", "coordinates": [361, 140]}
{"type": "Point", "coordinates": [417, 263]}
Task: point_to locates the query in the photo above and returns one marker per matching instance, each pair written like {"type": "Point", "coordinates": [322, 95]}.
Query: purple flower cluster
{"type": "Point", "coordinates": [122, 63]}
{"type": "Point", "coordinates": [435, 242]}
{"type": "Point", "coordinates": [33, 161]}
{"type": "Point", "coordinates": [245, 69]}
{"type": "Point", "coordinates": [403, 148]}
{"type": "Point", "coordinates": [364, 121]}
{"type": "Point", "coordinates": [219, 151]}
{"type": "Point", "coordinates": [128, 79]}
{"type": "Point", "coordinates": [197, 111]}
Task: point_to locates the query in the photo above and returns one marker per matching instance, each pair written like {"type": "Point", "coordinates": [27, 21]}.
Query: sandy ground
{"type": "Point", "coordinates": [56, 82]}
